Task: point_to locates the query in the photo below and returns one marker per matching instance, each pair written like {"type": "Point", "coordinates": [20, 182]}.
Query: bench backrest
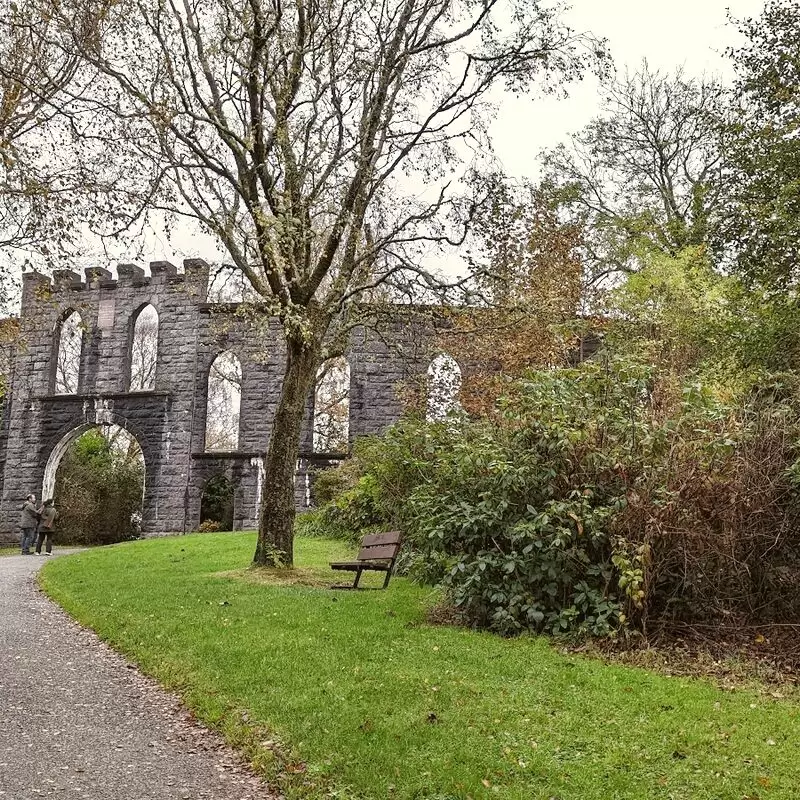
{"type": "Point", "coordinates": [380, 546]}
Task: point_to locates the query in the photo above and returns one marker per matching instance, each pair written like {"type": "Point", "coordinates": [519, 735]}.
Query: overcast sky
{"type": "Point", "coordinates": [689, 33]}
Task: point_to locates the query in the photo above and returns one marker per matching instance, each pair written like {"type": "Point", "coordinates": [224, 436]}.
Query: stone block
{"type": "Point", "coordinates": [163, 269]}
{"type": "Point", "coordinates": [95, 276]}
{"type": "Point", "coordinates": [129, 275]}
{"type": "Point", "coordinates": [66, 279]}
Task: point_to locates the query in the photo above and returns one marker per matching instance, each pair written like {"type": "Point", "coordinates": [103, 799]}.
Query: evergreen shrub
{"type": "Point", "coordinates": [596, 497]}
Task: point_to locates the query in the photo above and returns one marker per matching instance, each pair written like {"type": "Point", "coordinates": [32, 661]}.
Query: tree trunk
{"type": "Point", "coordinates": [276, 524]}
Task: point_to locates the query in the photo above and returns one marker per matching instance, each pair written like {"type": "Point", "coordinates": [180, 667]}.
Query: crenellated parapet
{"type": "Point", "coordinates": [66, 283]}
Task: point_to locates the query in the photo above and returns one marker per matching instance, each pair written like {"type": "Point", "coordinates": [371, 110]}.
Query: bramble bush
{"type": "Point", "coordinates": [596, 497]}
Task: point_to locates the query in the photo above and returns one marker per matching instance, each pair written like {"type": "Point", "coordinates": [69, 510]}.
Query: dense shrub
{"type": "Point", "coordinates": [597, 496]}
{"type": "Point", "coordinates": [216, 505]}
{"type": "Point", "coordinates": [524, 504]}
{"type": "Point", "coordinates": [711, 529]}
{"type": "Point", "coordinates": [368, 493]}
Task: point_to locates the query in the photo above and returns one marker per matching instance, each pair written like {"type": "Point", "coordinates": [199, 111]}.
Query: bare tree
{"type": "Point", "coordinates": [290, 130]}
{"type": "Point", "coordinates": [144, 350]}
{"type": "Point", "coordinates": [444, 385]}
{"type": "Point", "coordinates": [123, 444]}
{"type": "Point", "coordinates": [647, 173]}
{"type": "Point", "coordinates": [68, 360]}
{"type": "Point", "coordinates": [332, 407]}
{"type": "Point", "coordinates": [223, 401]}
{"type": "Point", "coordinates": [43, 181]}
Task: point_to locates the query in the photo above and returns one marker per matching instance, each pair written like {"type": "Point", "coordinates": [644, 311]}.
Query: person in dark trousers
{"type": "Point", "coordinates": [48, 517]}
{"type": "Point", "coordinates": [28, 521]}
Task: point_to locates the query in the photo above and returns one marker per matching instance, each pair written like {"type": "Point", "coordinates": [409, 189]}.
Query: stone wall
{"type": "Point", "coordinates": [169, 421]}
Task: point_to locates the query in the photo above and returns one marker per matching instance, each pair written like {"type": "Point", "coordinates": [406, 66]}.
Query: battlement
{"type": "Point", "coordinates": [36, 286]}
{"type": "Point", "coordinates": [169, 415]}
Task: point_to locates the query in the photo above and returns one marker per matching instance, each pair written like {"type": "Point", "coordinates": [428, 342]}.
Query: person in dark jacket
{"type": "Point", "coordinates": [48, 517]}
{"type": "Point", "coordinates": [28, 520]}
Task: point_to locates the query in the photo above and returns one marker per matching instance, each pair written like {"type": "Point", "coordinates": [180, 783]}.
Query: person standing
{"type": "Point", "coordinates": [48, 516]}
{"type": "Point", "coordinates": [28, 520]}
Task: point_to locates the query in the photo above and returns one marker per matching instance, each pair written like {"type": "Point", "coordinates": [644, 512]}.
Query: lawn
{"type": "Point", "coordinates": [352, 694]}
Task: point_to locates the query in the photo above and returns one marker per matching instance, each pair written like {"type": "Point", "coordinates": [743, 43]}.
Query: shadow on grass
{"type": "Point", "coordinates": [272, 576]}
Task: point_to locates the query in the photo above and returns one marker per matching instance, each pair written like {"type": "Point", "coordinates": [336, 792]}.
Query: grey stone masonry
{"type": "Point", "coordinates": [169, 420]}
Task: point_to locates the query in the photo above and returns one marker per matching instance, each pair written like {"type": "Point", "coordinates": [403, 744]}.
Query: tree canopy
{"type": "Point", "coordinates": [647, 174]}
{"type": "Point", "coordinates": [764, 221]}
{"type": "Point", "coordinates": [326, 146]}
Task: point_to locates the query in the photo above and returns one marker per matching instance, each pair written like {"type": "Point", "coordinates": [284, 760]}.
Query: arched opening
{"type": "Point", "coordinates": [223, 402]}
{"type": "Point", "coordinates": [216, 505]}
{"type": "Point", "coordinates": [69, 346]}
{"type": "Point", "coordinates": [95, 474]}
{"type": "Point", "coordinates": [332, 407]}
{"type": "Point", "coordinates": [144, 350]}
{"type": "Point", "coordinates": [444, 386]}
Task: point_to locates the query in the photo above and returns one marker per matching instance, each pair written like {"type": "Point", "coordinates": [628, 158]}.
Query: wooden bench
{"type": "Point", "coordinates": [378, 552]}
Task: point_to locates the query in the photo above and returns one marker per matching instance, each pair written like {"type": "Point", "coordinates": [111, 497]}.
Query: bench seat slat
{"type": "Point", "coordinates": [372, 539]}
{"type": "Point", "coordinates": [354, 565]}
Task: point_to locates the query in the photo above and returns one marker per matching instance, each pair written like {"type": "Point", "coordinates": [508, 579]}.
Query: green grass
{"type": "Point", "coordinates": [9, 550]}
{"type": "Point", "coordinates": [360, 698]}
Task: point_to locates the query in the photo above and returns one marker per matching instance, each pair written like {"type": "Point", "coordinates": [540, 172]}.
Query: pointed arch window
{"type": "Point", "coordinates": [444, 386]}
{"type": "Point", "coordinates": [332, 407]}
{"type": "Point", "coordinates": [144, 350]}
{"type": "Point", "coordinates": [223, 403]}
{"type": "Point", "coordinates": [68, 357]}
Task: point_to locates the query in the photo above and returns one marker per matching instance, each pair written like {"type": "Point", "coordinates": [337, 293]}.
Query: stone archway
{"type": "Point", "coordinates": [56, 454]}
{"type": "Point", "coordinates": [101, 496]}
{"type": "Point", "coordinates": [169, 418]}
{"type": "Point", "coordinates": [217, 502]}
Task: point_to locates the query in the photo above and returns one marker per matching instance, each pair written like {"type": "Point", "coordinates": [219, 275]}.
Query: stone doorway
{"type": "Point", "coordinates": [216, 504]}
{"type": "Point", "coordinates": [96, 475]}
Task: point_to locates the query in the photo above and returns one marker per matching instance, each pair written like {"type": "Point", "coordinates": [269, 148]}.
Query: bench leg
{"type": "Point", "coordinates": [386, 579]}
{"type": "Point", "coordinates": [358, 578]}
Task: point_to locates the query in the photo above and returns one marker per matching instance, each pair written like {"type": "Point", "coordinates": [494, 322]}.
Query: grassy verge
{"type": "Point", "coordinates": [351, 695]}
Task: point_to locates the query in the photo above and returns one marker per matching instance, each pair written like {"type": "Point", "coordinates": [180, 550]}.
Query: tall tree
{"type": "Point", "coordinates": [763, 228]}
{"type": "Point", "coordinates": [528, 275]}
{"type": "Point", "coordinates": [42, 180]}
{"type": "Point", "coordinates": [647, 174]}
{"type": "Point", "coordinates": [292, 132]}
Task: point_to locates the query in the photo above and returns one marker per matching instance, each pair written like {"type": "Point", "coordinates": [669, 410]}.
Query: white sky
{"type": "Point", "coordinates": [669, 33]}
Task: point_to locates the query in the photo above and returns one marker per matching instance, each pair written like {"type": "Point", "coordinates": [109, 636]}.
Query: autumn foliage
{"type": "Point", "coordinates": [529, 291]}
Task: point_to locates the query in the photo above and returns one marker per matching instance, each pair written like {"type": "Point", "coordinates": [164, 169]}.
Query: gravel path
{"type": "Point", "coordinates": [78, 721]}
